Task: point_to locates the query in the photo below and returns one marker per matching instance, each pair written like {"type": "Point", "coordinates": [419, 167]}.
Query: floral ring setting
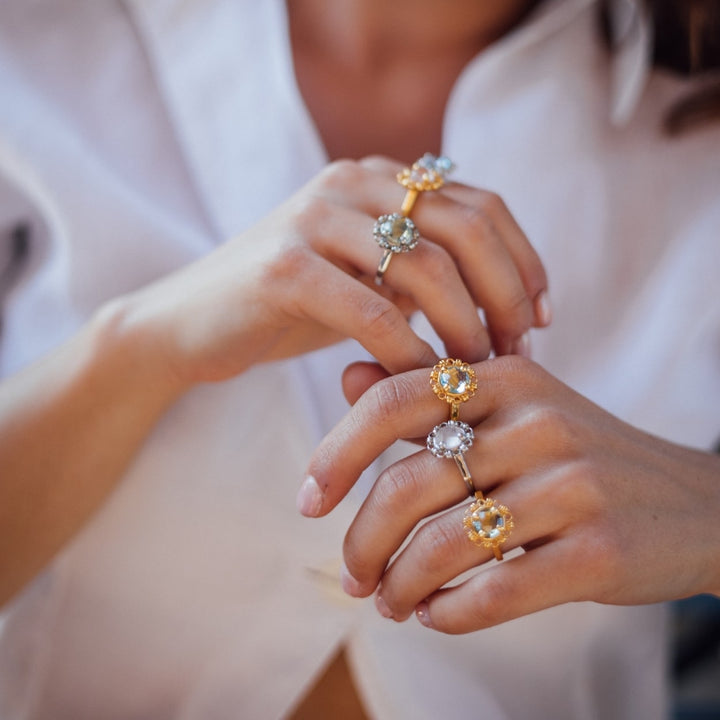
{"type": "Point", "coordinates": [487, 523]}
{"type": "Point", "coordinates": [450, 440]}
{"type": "Point", "coordinates": [394, 233]}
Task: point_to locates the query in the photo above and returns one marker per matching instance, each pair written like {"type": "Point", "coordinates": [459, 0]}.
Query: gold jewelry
{"type": "Point", "coordinates": [455, 382]}
{"type": "Point", "coordinates": [398, 233]}
{"type": "Point", "coordinates": [488, 524]}
{"type": "Point", "coordinates": [427, 173]}
{"type": "Point", "coordinates": [450, 440]}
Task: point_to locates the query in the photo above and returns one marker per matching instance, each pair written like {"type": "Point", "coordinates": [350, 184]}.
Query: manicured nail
{"type": "Point", "coordinates": [422, 612]}
{"type": "Point", "coordinates": [382, 607]}
{"type": "Point", "coordinates": [522, 345]}
{"type": "Point", "coordinates": [309, 497]}
{"type": "Point", "coordinates": [349, 584]}
{"type": "Point", "coordinates": [543, 309]}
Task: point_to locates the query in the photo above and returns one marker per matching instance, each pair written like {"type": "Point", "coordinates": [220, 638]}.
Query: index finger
{"type": "Point", "coordinates": [399, 407]}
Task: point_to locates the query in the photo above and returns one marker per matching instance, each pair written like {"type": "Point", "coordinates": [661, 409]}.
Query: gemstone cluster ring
{"type": "Point", "coordinates": [396, 233]}
{"type": "Point", "coordinates": [455, 382]}
{"type": "Point", "coordinates": [450, 440]}
{"type": "Point", "coordinates": [427, 173]}
{"type": "Point", "coordinates": [488, 524]}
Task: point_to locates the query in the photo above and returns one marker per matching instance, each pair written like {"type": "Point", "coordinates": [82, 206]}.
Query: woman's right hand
{"type": "Point", "coordinates": [302, 278]}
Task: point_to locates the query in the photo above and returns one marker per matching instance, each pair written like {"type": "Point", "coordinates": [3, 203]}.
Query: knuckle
{"type": "Point", "coordinates": [604, 557]}
{"type": "Point", "coordinates": [476, 224]}
{"type": "Point", "coordinates": [292, 261]}
{"type": "Point", "coordinates": [491, 204]}
{"type": "Point", "coordinates": [579, 490]}
{"type": "Point", "coordinates": [377, 163]}
{"type": "Point", "coordinates": [437, 542]}
{"type": "Point", "coordinates": [438, 267]}
{"type": "Point", "coordinates": [386, 398]}
{"type": "Point", "coordinates": [514, 371]}
{"type": "Point", "coordinates": [488, 601]}
{"type": "Point", "coordinates": [397, 487]}
{"type": "Point", "coordinates": [552, 424]}
{"type": "Point", "coordinates": [378, 317]}
{"type": "Point", "coordinates": [310, 213]}
{"type": "Point", "coordinates": [341, 174]}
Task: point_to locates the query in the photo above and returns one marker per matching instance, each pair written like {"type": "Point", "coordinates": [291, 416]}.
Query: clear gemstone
{"type": "Point", "coordinates": [454, 380]}
{"type": "Point", "coordinates": [396, 232]}
{"type": "Point", "coordinates": [488, 522]}
{"type": "Point", "coordinates": [444, 165]}
{"type": "Point", "coordinates": [450, 438]}
{"type": "Point", "coordinates": [438, 165]}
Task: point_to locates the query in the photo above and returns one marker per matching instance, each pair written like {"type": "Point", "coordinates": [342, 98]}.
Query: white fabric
{"type": "Point", "coordinates": [133, 138]}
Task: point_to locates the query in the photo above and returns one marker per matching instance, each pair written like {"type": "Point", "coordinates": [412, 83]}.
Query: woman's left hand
{"type": "Point", "coordinates": [604, 511]}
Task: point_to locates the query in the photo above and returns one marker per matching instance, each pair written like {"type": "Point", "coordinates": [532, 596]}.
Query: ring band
{"type": "Point", "coordinates": [452, 439]}
{"type": "Point", "coordinates": [455, 382]}
{"type": "Point", "coordinates": [427, 173]}
{"type": "Point", "coordinates": [488, 524]}
{"type": "Point", "coordinates": [395, 233]}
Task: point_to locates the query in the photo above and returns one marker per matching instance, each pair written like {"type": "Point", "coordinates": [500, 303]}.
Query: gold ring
{"type": "Point", "coordinates": [427, 173]}
{"type": "Point", "coordinates": [452, 439]}
{"type": "Point", "coordinates": [455, 382]}
{"type": "Point", "coordinates": [488, 524]}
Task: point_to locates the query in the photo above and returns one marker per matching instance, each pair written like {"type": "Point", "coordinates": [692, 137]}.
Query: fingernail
{"type": "Point", "coordinates": [382, 607]}
{"type": "Point", "coordinates": [422, 612]}
{"type": "Point", "coordinates": [349, 584]}
{"type": "Point", "coordinates": [309, 497]}
{"type": "Point", "coordinates": [543, 309]}
{"type": "Point", "coordinates": [522, 346]}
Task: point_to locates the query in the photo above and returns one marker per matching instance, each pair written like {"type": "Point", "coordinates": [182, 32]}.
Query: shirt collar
{"type": "Point", "coordinates": [631, 46]}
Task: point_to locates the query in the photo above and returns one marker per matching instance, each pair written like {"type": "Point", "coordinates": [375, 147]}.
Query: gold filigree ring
{"type": "Point", "coordinates": [488, 524]}
{"type": "Point", "coordinates": [455, 382]}
{"type": "Point", "coordinates": [427, 173]}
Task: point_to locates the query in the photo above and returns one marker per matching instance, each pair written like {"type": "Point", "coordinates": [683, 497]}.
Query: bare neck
{"type": "Point", "coordinates": [376, 75]}
{"type": "Point", "coordinates": [373, 33]}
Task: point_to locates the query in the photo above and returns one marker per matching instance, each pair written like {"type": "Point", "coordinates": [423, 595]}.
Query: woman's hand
{"type": "Point", "coordinates": [303, 278]}
{"type": "Point", "coordinates": [603, 511]}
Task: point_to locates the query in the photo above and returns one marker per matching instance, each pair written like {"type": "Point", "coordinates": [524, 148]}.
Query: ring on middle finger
{"type": "Point", "coordinates": [452, 439]}
{"type": "Point", "coordinates": [395, 233]}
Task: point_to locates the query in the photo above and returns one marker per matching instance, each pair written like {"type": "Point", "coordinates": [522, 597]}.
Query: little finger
{"type": "Point", "coordinates": [543, 577]}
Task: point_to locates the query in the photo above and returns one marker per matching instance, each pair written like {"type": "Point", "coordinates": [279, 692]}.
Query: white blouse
{"type": "Point", "coordinates": [134, 137]}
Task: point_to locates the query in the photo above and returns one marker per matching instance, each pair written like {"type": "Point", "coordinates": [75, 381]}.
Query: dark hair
{"type": "Point", "coordinates": [686, 41]}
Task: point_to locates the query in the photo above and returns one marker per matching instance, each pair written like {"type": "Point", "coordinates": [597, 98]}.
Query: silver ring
{"type": "Point", "coordinates": [452, 439]}
{"type": "Point", "coordinates": [395, 233]}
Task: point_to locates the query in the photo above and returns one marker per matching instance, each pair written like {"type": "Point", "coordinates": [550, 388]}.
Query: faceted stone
{"type": "Point", "coordinates": [488, 522]}
{"type": "Point", "coordinates": [454, 380]}
{"type": "Point", "coordinates": [444, 165]}
{"type": "Point", "coordinates": [437, 165]}
{"type": "Point", "coordinates": [396, 232]}
{"type": "Point", "coordinates": [448, 438]}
